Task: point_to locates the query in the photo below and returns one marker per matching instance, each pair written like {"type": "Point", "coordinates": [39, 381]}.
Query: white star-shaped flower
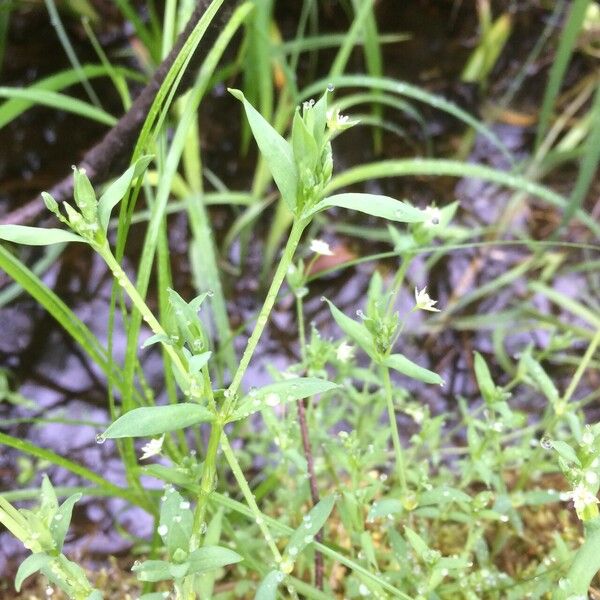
{"type": "Point", "coordinates": [423, 301]}
{"type": "Point", "coordinates": [321, 247]}
{"type": "Point", "coordinates": [581, 497]}
{"type": "Point", "coordinates": [344, 352]}
{"type": "Point", "coordinates": [338, 122]}
{"type": "Point", "coordinates": [152, 448]}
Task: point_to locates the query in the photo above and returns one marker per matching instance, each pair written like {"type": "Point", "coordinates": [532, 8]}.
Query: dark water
{"type": "Point", "coordinates": [39, 147]}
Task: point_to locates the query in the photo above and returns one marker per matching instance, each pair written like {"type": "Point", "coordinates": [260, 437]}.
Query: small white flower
{"type": "Point", "coordinates": [153, 447]}
{"type": "Point", "coordinates": [423, 301]}
{"type": "Point", "coordinates": [434, 216]}
{"type": "Point", "coordinates": [321, 247]}
{"type": "Point", "coordinates": [344, 352]}
{"type": "Point", "coordinates": [338, 122]}
{"type": "Point", "coordinates": [581, 497]}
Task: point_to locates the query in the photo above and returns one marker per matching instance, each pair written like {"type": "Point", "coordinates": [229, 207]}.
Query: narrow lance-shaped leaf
{"type": "Point", "coordinates": [267, 590]}
{"type": "Point", "coordinates": [375, 205]}
{"type": "Point", "coordinates": [209, 558]}
{"type": "Point", "coordinates": [484, 379]}
{"type": "Point", "coordinates": [281, 392]}
{"type": "Point", "coordinates": [276, 151]}
{"type": "Point", "coordinates": [32, 564]}
{"type": "Point", "coordinates": [153, 570]}
{"type": "Point", "coordinates": [117, 190]}
{"type": "Point", "coordinates": [540, 377]}
{"type": "Point", "coordinates": [354, 330]}
{"type": "Point", "coordinates": [407, 367]}
{"type": "Point", "coordinates": [312, 523]}
{"type": "Point", "coordinates": [154, 420]}
{"type": "Point", "coordinates": [61, 521]}
{"type": "Point", "coordinates": [36, 236]}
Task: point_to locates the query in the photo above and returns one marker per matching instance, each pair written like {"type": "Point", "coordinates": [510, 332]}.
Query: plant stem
{"type": "Point", "coordinates": [209, 474]}
{"type": "Point", "coordinates": [139, 303]}
{"type": "Point", "coordinates": [583, 365]}
{"type": "Point", "coordinates": [298, 227]}
{"type": "Point", "coordinates": [400, 466]}
{"type": "Point", "coordinates": [248, 496]}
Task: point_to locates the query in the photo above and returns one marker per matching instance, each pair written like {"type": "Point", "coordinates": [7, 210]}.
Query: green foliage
{"type": "Point", "coordinates": [430, 504]}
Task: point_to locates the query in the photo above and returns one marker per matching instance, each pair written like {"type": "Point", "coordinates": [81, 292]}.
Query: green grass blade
{"type": "Point", "coordinates": [59, 102]}
{"type": "Point", "coordinates": [588, 164]}
{"type": "Point", "coordinates": [13, 107]}
{"type": "Point", "coordinates": [70, 52]}
{"type": "Point", "coordinates": [69, 465]}
{"type": "Point", "coordinates": [439, 167]}
{"type": "Point", "coordinates": [560, 63]}
{"type": "Point", "coordinates": [411, 91]}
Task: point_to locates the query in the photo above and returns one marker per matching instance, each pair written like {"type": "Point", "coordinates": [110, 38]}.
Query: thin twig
{"type": "Point", "coordinates": [111, 154]}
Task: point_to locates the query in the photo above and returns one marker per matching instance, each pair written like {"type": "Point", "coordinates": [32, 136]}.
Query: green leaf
{"type": "Point", "coordinates": [154, 420]}
{"type": "Point", "coordinates": [117, 190]}
{"type": "Point", "coordinates": [407, 367]}
{"type": "Point", "coordinates": [484, 380]}
{"type": "Point", "coordinates": [85, 197]}
{"type": "Point", "coordinates": [312, 523]}
{"type": "Point", "coordinates": [384, 507]}
{"type": "Point", "coordinates": [153, 570]}
{"type": "Point", "coordinates": [376, 205]}
{"type": "Point", "coordinates": [29, 566]}
{"type": "Point", "coordinates": [305, 148]}
{"type": "Point", "coordinates": [62, 519]}
{"type": "Point", "coordinates": [418, 543]}
{"type": "Point", "coordinates": [566, 452]}
{"type": "Point", "coordinates": [541, 378]}
{"type": "Point", "coordinates": [197, 361]}
{"type": "Point", "coordinates": [276, 151]}
{"type": "Point", "coordinates": [209, 558]}
{"type": "Point", "coordinates": [354, 330]}
{"type": "Point", "coordinates": [36, 236]}
{"type": "Point", "coordinates": [176, 521]}
{"type": "Point", "coordinates": [267, 590]}
{"type": "Point", "coordinates": [155, 339]}
{"type": "Point", "coordinates": [443, 495]}
{"type": "Point", "coordinates": [279, 393]}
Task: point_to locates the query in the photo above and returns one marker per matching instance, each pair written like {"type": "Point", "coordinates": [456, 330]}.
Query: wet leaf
{"type": "Point", "coordinates": [354, 330]}
{"type": "Point", "coordinates": [117, 190]}
{"type": "Point", "coordinates": [311, 524]}
{"type": "Point", "coordinates": [32, 564]}
{"type": "Point", "coordinates": [375, 205]}
{"type": "Point", "coordinates": [209, 558]}
{"type": "Point", "coordinates": [267, 590]}
{"type": "Point", "coordinates": [407, 367]}
{"type": "Point", "coordinates": [62, 519]}
{"type": "Point", "coordinates": [280, 393]}
{"type": "Point", "coordinates": [276, 151]}
{"type": "Point", "coordinates": [36, 236]}
{"type": "Point", "coordinates": [154, 420]}
{"type": "Point", "coordinates": [153, 570]}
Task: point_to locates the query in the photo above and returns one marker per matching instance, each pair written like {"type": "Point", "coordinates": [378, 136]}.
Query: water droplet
{"type": "Point", "coordinates": [272, 399]}
{"type": "Point", "coordinates": [58, 517]}
{"type": "Point", "coordinates": [330, 87]}
{"type": "Point", "coordinates": [162, 530]}
{"type": "Point", "coordinates": [184, 505]}
{"type": "Point", "coordinates": [177, 519]}
{"type": "Point", "coordinates": [100, 439]}
{"type": "Point", "coordinates": [308, 539]}
{"type": "Point", "coordinates": [293, 551]}
{"type": "Point", "coordinates": [546, 443]}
